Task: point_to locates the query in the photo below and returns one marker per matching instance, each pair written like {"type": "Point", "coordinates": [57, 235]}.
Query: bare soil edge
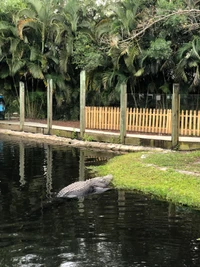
{"type": "Point", "coordinates": [53, 139]}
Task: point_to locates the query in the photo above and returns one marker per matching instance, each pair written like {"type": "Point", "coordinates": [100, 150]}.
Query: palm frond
{"type": "Point", "coordinates": [35, 70]}
{"type": "Point", "coordinates": [4, 73]}
{"type": "Point", "coordinates": [196, 47]}
{"type": "Point", "coordinates": [63, 61]}
{"type": "Point", "coordinates": [23, 23]}
{"type": "Point", "coordinates": [16, 66]}
{"type": "Point", "coordinates": [26, 13]}
{"type": "Point", "coordinates": [183, 50]}
{"type": "Point", "coordinates": [181, 74]}
{"type": "Point", "coordinates": [102, 27]}
{"type": "Point", "coordinates": [37, 5]}
{"type": "Point", "coordinates": [13, 44]}
{"type": "Point", "coordinates": [34, 53]}
{"type": "Point", "coordinates": [7, 27]}
{"type": "Point", "coordinates": [139, 72]}
{"type": "Point", "coordinates": [130, 56]}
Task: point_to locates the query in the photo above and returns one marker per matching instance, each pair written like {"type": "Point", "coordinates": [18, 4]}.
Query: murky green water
{"type": "Point", "coordinates": [116, 228]}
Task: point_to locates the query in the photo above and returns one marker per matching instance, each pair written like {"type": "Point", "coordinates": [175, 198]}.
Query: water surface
{"type": "Point", "coordinates": [116, 228]}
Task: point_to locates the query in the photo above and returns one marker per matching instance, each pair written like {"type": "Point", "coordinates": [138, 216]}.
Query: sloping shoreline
{"type": "Point", "coordinates": [53, 139]}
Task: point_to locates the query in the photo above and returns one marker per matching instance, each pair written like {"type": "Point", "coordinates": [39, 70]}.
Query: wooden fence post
{"type": "Point", "coordinates": [21, 88]}
{"type": "Point", "coordinates": [123, 107]}
{"type": "Point", "coordinates": [49, 158]}
{"type": "Point", "coordinates": [21, 163]}
{"type": "Point", "coordinates": [82, 102]}
{"type": "Point", "coordinates": [49, 105]}
{"type": "Point", "coordinates": [82, 165]}
{"type": "Point", "coordinates": [175, 115]}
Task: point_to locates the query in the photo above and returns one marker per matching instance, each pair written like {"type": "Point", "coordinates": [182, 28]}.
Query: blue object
{"type": "Point", "coordinates": [2, 107]}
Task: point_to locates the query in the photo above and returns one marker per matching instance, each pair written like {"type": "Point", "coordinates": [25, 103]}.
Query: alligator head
{"type": "Point", "coordinates": [102, 181]}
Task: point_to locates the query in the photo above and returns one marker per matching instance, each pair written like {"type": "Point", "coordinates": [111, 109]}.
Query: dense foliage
{"type": "Point", "coordinates": [149, 44]}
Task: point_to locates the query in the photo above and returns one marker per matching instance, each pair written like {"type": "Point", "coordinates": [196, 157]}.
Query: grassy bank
{"type": "Point", "coordinates": [174, 176]}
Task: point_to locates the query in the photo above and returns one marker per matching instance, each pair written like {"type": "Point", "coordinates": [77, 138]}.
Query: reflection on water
{"type": "Point", "coordinates": [116, 228]}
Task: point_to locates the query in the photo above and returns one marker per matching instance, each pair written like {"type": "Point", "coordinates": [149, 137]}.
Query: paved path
{"type": "Point", "coordinates": [143, 136]}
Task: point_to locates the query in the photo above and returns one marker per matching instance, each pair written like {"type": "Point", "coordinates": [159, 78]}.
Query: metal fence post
{"type": "Point", "coordinates": [175, 116]}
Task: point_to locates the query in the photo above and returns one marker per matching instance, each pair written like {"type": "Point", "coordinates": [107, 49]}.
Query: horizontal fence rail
{"type": "Point", "coordinates": [142, 120]}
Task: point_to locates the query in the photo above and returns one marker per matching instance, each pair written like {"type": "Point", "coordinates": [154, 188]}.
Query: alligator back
{"type": "Point", "coordinates": [74, 190]}
{"type": "Point", "coordinates": [82, 188]}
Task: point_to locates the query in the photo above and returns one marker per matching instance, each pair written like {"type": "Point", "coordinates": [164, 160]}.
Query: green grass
{"type": "Point", "coordinates": [157, 173]}
{"type": "Point", "coordinates": [188, 161]}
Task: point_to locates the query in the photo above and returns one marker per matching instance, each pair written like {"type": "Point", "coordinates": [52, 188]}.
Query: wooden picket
{"type": "Point", "coordinates": [103, 118]}
{"type": "Point", "coordinates": [148, 120]}
{"type": "Point", "coordinates": [156, 121]}
{"type": "Point", "coordinates": [190, 122]}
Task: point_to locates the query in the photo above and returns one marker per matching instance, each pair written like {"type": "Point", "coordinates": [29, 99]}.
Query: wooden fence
{"type": "Point", "coordinates": [190, 123]}
{"type": "Point", "coordinates": [142, 120]}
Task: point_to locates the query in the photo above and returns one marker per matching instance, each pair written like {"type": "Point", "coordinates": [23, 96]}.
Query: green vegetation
{"type": "Point", "coordinates": [174, 176]}
{"type": "Point", "coordinates": [74, 134]}
{"type": "Point", "coordinates": [88, 138]}
{"type": "Point", "coordinates": [148, 44]}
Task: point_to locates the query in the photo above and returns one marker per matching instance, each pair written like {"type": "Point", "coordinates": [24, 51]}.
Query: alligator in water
{"type": "Point", "coordinates": [78, 189]}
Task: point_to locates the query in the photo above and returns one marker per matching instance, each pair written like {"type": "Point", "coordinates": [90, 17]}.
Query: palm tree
{"type": "Point", "coordinates": [188, 66]}
{"type": "Point", "coordinates": [12, 62]}
{"type": "Point", "coordinates": [122, 56]}
{"type": "Point", "coordinates": [36, 27]}
{"type": "Point", "coordinates": [43, 27]}
{"type": "Point", "coordinates": [99, 48]}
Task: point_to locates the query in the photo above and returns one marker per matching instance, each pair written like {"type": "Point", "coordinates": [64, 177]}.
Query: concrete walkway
{"type": "Point", "coordinates": [185, 141]}
{"type": "Point", "coordinates": [57, 127]}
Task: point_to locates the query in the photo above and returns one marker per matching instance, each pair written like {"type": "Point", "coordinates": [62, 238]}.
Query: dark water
{"type": "Point", "coordinates": [116, 228]}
